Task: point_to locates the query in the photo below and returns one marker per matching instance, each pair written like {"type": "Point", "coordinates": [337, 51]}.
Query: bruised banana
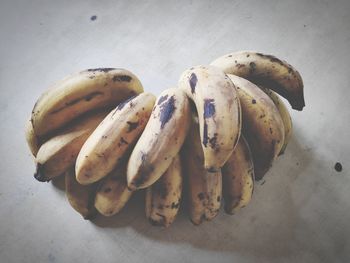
{"type": "Point", "coordinates": [31, 139]}
{"type": "Point", "coordinates": [105, 147]}
{"type": "Point", "coordinates": [161, 140]}
{"type": "Point", "coordinates": [268, 71]}
{"type": "Point", "coordinates": [112, 193]}
{"type": "Point", "coordinates": [80, 93]}
{"type": "Point", "coordinates": [59, 153]}
{"type": "Point", "coordinates": [164, 196]}
{"type": "Point", "coordinates": [219, 112]}
{"type": "Point", "coordinates": [287, 120]}
{"type": "Point", "coordinates": [80, 197]}
{"type": "Point", "coordinates": [204, 188]}
{"type": "Point", "coordinates": [238, 178]}
{"type": "Point", "coordinates": [262, 124]}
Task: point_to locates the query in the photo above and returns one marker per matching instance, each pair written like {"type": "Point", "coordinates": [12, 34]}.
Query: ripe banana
{"type": "Point", "coordinates": [161, 140]}
{"type": "Point", "coordinates": [105, 147]}
{"type": "Point", "coordinates": [262, 124]}
{"type": "Point", "coordinates": [219, 112]}
{"type": "Point", "coordinates": [164, 196]}
{"type": "Point", "coordinates": [204, 188]}
{"type": "Point", "coordinates": [80, 93]}
{"type": "Point", "coordinates": [60, 152]}
{"type": "Point", "coordinates": [287, 120]}
{"type": "Point", "coordinates": [81, 197]}
{"type": "Point", "coordinates": [268, 71]}
{"type": "Point", "coordinates": [113, 193]}
{"type": "Point", "coordinates": [31, 139]}
{"type": "Point", "coordinates": [238, 178]}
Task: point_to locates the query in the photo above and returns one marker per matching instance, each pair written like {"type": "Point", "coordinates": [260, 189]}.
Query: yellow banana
{"type": "Point", "coordinates": [204, 188]}
{"type": "Point", "coordinates": [105, 147]}
{"type": "Point", "coordinates": [31, 139]}
{"type": "Point", "coordinates": [238, 178]}
{"type": "Point", "coordinates": [287, 120]}
{"type": "Point", "coordinates": [265, 70]}
{"type": "Point", "coordinates": [164, 196]}
{"type": "Point", "coordinates": [113, 193]}
{"type": "Point", "coordinates": [80, 93]}
{"type": "Point", "coordinates": [161, 140]}
{"type": "Point", "coordinates": [59, 153]}
{"type": "Point", "coordinates": [80, 197]}
{"type": "Point", "coordinates": [262, 124]}
{"type": "Point", "coordinates": [219, 112]}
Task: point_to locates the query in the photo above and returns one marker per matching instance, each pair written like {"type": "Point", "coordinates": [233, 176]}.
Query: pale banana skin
{"type": "Point", "coordinates": [164, 196]}
{"type": "Point", "coordinates": [113, 193]}
{"type": "Point", "coordinates": [161, 140]}
{"type": "Point", "coordinates": [59, 153]}
{"type": "Point", "coordinates": [82, 92]}
{"type": "Point", "coordinates": [80, 197]}
{"type": "Point", "coordinates": [219, 112]}
{"type": "Point", "coordinates": [266, 70]}
{"type": "Point", "coordinates": [105, 147]}
{"type": "Point", "coordinates": [238, 178]}
{"type": "Point", "coordinates": [286, 118]}
{"type": "Point", "coordinates": [262, 124]}
{"type": "Point", "coordinates": [204, 189]}
{"type": "Point", "coordinates": [31, 139]}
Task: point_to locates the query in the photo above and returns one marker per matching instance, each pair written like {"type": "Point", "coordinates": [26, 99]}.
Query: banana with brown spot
{"type": "Point", "coordinates": [59, 153]}
{"type": "Point", "coordinates": [262, 124]}
{"type": "Point", "coordinates": [82, 92]}
{"type": "Point", "coordinates": [106, 146]}
{"type": "Point", "coordinates": [219, 112]}
{"type": "Point", "coordinates": [80, 197]}
{"type": "Point", "coordinates": [266, 70]}
{"type": "Point", "coordinates": [286, 118]}
{"type": "Point", "coordinates": [161, 140]}
{"type": "Point", "coordinates": [113, 193]}
{"type": "Point", "coordinates": [238, 178]}
{"type": "Point", "coordinates": [204, 189]}
{"type": "Point", "coordinates": [164, 196]}
{"type": "Point", "coordinates": [31, 138]}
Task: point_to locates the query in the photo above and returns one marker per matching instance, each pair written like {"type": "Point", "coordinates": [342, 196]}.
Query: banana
{"type": "Point", "coordinates": [31, 139]}
{"type": "Point", "coordinates": [262, 124]}
{"type": "Point", "coordinates": [204, 188]}
{"type": "Point", "coordinates": [161, 140]}
{"type": "Point", "coordinates": [80, 93]}
{"type": "Point", "coordinates": [219, 112]}
{"type": "Point", "coordinates": [238, 178]}
{"type": "Point", "coordinates": [265, 70]}
{"type": "Point", "coordinates": [112, 193]}
{"type": "Point", "coordinates": [60, 152]}
{"type": "Point", "coordinates": [105, 147]}
{"type": "Point", "coordinates": [80, 197]}
{"type": "Point", "coordinates": [287, 120]}
{"type": "Point", "coordinates": [164, 196]}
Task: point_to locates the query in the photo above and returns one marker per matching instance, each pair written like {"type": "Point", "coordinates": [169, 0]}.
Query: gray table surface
{"type": "Point", "coordinates": [302, 211]}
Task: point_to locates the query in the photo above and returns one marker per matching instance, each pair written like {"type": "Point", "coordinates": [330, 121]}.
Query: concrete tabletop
{"type": "Point", "coordinates": [300, 212]}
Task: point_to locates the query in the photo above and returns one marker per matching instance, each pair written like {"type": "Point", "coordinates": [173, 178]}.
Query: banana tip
{"type": "Point", "coordinates": [40, 174]}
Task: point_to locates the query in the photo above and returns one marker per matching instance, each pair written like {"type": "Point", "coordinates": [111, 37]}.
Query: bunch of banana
{"type": "Point", "coordinates": [199, 143]}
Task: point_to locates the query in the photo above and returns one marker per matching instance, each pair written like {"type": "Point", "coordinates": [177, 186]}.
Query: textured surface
{"type": "Point", "coordinates": [300, 213]}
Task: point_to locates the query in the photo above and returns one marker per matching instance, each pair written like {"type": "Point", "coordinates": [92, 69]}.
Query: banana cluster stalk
{"type": "Point", "coordinates": [206, 140]}
{"type": "Point", "coordinates": [164, 196]}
